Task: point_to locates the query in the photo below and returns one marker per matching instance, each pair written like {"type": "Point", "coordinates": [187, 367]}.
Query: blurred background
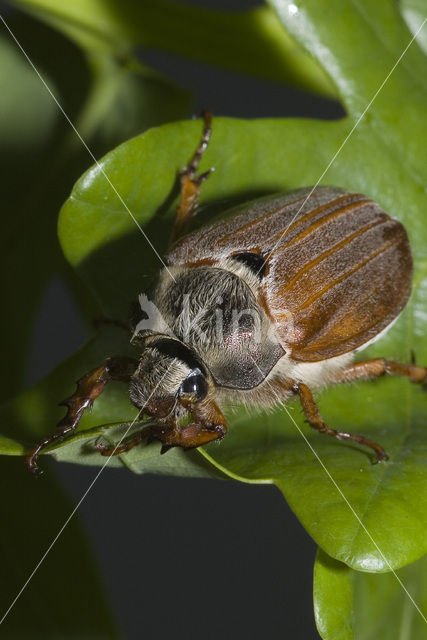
{"type": "Point", "coordinates": [182, 558]}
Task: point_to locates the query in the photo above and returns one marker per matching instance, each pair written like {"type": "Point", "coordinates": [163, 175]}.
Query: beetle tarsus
{"type": "Point", "coordinates": [381, 454]}
{"type": "Point", "coordinates": [315, 421]}
{"type": "Point", "coordinates": [123, 447]}
{"type": "Point", "coordinates": [32, 465]}
{"type": "Point", "coordinates": [191, 169]}
{"type": "Point", "coordinates": [190, 182]}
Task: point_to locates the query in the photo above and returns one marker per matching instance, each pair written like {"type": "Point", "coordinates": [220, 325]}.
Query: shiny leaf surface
{"type": "Point", "coordinates": [351, 605]}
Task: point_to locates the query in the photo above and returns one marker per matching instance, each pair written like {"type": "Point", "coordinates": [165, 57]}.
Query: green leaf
{"type": "Point", "coordinates": [386, 158]}
{"type": "Point", "coordinates": [351, 605]}
{"type": "Point", "coordinates": [32, 516]}
{"type": "Point", "coordinates": [125, 98]}
{"type": "Point", "coordinates": [333, 598]}
{"type": "Point", "coordinates": [249, 41]}
{"type": "Point", "coordinates": [414, 12]}
{"type": "Point", "coordinates": [142, 459]}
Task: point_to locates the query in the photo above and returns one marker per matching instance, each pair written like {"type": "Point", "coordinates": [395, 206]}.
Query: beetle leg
{"type": "Point", "coordinates": [315, 420]}
{"type": "Point", "coordinates": [191, 436]}
{"type": "Point", "coordinates": [89, 387]}
{"type": "Point", "coordinates": [368, 369]}
{"type": "Point", "coordinates": [190, 181]}
{"type": "Point", "coordinates": [115, 450]}
{"type": "Point", "coordinates": [188, 437]}
{"type": "Point", "coordinates": [209, 424]}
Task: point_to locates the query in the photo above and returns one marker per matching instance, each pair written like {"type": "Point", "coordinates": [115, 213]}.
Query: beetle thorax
{"type": "Point", "coordinates": [215, 312]}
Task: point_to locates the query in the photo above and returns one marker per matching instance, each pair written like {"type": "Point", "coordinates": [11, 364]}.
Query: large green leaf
{"type": "Point", "coordinates": [385, 158]}
{"type": "Point", "coordinates": [351, 605]}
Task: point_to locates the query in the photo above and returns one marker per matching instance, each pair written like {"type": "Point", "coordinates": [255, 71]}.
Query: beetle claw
{"type": "Point", "coordinates": [34, 468]}
{"type": "Point", "coordinates": [165, 448]}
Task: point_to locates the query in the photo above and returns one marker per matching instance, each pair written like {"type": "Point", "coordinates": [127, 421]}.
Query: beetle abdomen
{"type": "Point", "coordinates": [334, 285]}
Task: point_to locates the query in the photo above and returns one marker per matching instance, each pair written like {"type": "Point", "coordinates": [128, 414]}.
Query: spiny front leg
{"type": "Point", "coordinates": [190, 182]}
{"type": "Point", "coordinates": [315, 420]}
{"type": "Point", "coordinates": [189, 437]}
{"type": "Point", "coordinates": [89, 387]}
{"type": "Point", "coordinates": [209, 424]}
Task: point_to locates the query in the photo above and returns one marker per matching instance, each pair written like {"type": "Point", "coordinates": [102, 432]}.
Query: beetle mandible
{"type": "Point", "coordinates": [298, 283]}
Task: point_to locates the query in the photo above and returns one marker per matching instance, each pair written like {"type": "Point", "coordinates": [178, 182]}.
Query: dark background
{"type": "Point", "coordinates": [192, 558]}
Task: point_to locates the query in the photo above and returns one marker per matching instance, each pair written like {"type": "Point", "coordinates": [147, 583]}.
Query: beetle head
{"type": "Point", "coordinates": [169, 379]}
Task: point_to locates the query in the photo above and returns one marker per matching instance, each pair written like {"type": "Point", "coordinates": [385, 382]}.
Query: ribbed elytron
{"type": "Point", "coordinates": [296, 283]}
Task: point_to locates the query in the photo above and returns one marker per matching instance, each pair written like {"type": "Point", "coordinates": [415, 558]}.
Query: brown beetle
{"type": "Point", "coordinates": [268, 302]}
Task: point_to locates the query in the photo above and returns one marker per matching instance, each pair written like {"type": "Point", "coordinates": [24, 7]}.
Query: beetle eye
{"type": "Point", "coordinates": [196, 385]}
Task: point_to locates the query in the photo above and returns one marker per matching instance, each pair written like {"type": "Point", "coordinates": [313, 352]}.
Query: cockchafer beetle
{"type": "Point", "coordinates": [279, 294]}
